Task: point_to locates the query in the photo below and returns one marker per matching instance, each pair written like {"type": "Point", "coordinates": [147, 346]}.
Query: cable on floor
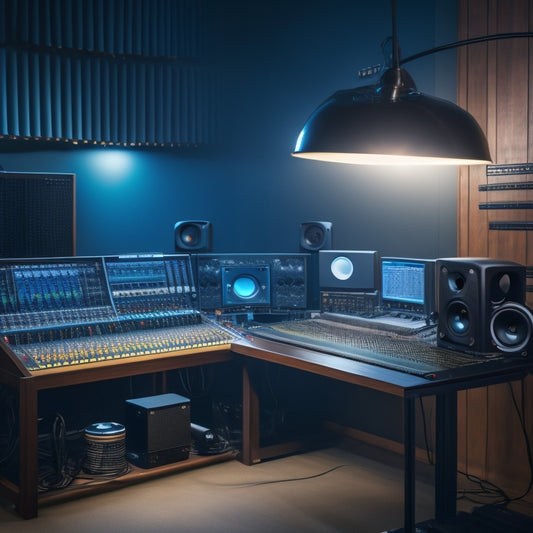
{"type": "Point", "coordinates": [285, 480]}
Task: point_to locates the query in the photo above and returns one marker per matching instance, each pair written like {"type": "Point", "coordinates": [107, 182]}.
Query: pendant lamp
{"type": "Point", "coordinates": [392, 123]}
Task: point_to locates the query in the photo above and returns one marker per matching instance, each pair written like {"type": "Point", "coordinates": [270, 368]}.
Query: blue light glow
{"type": "Point", "coordinates": [112, 164]}
{"type": "Point", "coordinates": [299, 141]}
{"type": "Point", "coordinates": [245, 287]}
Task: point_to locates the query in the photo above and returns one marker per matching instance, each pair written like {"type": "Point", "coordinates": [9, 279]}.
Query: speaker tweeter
{"type": "Point", "coordinates": [192, 235]}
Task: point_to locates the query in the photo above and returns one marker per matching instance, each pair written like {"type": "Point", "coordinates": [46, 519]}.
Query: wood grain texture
{"type": "Point", "coordinates": [495, 83]}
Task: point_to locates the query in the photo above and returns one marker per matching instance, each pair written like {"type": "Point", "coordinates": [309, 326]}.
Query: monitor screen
{"type": "Point", "coordinates": [50, 292]}
{"type": "Point", "coordinates": [143, 283]}
{"type": "Point", "coordinates": [407, 284]}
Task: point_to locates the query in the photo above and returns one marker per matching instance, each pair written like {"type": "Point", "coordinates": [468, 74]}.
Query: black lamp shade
{"type": "Point", "coordinates": [366, 126]}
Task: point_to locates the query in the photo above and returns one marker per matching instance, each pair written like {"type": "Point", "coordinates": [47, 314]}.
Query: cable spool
{"type": "Point", "coordinates": [106, 449]}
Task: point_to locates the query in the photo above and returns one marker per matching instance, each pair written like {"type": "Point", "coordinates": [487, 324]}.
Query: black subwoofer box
{"type": "Point", "coordinates": [158, 430]}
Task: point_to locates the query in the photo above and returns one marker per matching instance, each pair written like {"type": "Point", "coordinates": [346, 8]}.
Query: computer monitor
{"type": "Point", "coordinates": [408, 285]}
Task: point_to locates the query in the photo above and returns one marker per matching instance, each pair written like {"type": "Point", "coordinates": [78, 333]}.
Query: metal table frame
{"type": "Point", "coordinates": [403, 385]}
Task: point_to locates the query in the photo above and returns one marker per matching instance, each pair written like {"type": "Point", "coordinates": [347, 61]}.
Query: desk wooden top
{"type": "Point", "coordinates": [341, 368]}
{"type": "Point", "coordinates": [369, 375]}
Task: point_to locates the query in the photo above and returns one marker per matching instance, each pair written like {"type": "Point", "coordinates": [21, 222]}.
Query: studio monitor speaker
{"type": "Point", "coordinates": [315, 236]}
{"type": "Point", "coordinates": [192, 235]}
{"type": "Point", "coordinates": [481, 306]}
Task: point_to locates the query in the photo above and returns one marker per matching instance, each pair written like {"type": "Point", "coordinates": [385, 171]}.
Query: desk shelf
{"type": "Point", "coordinates": [82, 487]}
{"type": "Point", "coordinates": [27, 386]}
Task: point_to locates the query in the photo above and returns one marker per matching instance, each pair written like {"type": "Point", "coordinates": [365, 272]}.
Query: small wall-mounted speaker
{"type": "Point", "coordinates": [192, 235]}
{"type": "Point", "coordinates": [481, 305]}
{"type": "Point", "coordinates": [315, 236]}
{"type": "Point", "coordinates": [246, 285]}
{"type": "Point", "coordinates": [347, 270]}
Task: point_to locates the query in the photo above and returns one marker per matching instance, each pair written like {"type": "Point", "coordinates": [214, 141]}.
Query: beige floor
{"type": "Point", "coordinates": [362, 494]}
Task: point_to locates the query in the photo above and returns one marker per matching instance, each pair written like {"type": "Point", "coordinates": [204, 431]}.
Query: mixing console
{"type": "Point", "coordinates": [103, 347]}
{"type": "Point", "coordinates": [52, 292]}
{"type": "Point", "coordinates": [142, 285]}
{"type": "Point", "coordinates": [364, 304]}
{"type": "Point", "coordinates": [419, 356]}
{"type": "Point", "coordinates": [59, 312]}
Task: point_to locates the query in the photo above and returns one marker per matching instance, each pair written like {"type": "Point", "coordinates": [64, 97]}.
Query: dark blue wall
{"type": "Point", "coordinates": [276, 61]}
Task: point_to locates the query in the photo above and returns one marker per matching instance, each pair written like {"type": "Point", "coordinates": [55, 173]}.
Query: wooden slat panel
{"type": "Point", "coordinates": [463, 177]}
{"type": "Point", "coordinates": [477, 103]}
{"type": "Point", "coordinates": [511, 119]}
{"type": "Point", "coordinates": [507, 462]}
{"type": "Point", "coordinates": [472, 414]}
{"type": "Point", "coordinates": [463, 227]}
{"type": "Point", "coordinates": [529, 194]}
{"type": "Point", "coordinates": [504, 435]}
{"type": "Point", "coordinates": [491, 440]}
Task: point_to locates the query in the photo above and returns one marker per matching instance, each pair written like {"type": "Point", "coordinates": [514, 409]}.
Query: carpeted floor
{"type": "Point", "coordinates": [327, 491]}
{"type": "Point", "coordinates": [344, 489]}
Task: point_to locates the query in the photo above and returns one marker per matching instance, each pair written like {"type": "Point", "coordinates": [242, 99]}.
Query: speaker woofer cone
{"type": "Point", "coordinates": [315, 236]}
{"type": "Point", "coordinates": [458, 318]}
{"type": "Point", "coordinates": [190, 235]}
{"type": "Point", "coordinates": [510, 327]}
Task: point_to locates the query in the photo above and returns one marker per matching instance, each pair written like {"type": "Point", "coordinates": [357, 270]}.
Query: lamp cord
{"type": "Point", "coordinates": [465, 42]}
{"type": "Point", "coordinates": [395, 54]}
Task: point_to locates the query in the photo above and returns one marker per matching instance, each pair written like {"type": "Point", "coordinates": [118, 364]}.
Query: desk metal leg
{"type": "Point", "coordinates": [409, 464]}
{"type": "Point", "coordinates": [446, 457]}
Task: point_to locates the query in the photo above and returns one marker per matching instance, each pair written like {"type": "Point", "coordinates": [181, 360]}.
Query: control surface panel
{"type": "Point", "coordinates": [69, 311]}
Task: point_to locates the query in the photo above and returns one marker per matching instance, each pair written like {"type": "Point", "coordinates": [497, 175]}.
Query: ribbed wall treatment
{"type": "Point", "coordinates": [120, 72]}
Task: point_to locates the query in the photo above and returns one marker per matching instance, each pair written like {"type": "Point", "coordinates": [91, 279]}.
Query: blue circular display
{"type": "Point", "coordinates": [342, 268]}
{"type": "Point", "coordinates": [245, 287]}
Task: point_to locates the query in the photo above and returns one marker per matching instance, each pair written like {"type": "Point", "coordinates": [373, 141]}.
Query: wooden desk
{"type": "Point", "coordinates": [28, 384]}
{"type": "Point", "coordinates": [405, 386]}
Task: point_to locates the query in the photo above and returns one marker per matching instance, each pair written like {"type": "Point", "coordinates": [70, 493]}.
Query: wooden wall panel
{"type": "Point", "coordinates": [495, 83]}
{"type": "Point", "coordinates": [472, 64]}
{"type": "Point", "coordinates": [474, 97]}
{"type": "Point", "coordinates": [511, 121]}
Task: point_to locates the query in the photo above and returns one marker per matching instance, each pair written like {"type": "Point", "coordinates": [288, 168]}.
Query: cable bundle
{"type": "Point", "coordinates": [106, 449]}
{"type": "Point", "coordinates": [60, 456]}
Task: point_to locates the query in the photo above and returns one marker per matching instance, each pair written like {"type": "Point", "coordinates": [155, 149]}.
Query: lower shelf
{"type": "Point", "coordinates": [80, 487]}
